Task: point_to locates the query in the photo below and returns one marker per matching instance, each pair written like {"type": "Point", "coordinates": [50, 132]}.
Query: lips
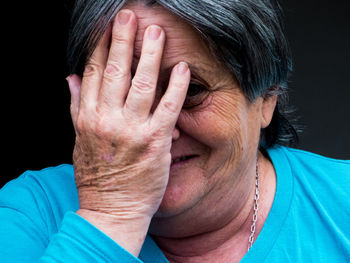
{"type": "Point", "coordinates": [182, 159]}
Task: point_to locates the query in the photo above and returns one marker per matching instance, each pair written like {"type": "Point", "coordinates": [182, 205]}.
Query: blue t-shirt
{"type": "Point", "coordinates": [309, 220]}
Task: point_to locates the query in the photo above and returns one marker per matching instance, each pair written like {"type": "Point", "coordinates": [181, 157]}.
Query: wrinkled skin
{"type": "Point", "coordinates": [128, 132]}
{"type": "Point", "coordinates": [122, 154]}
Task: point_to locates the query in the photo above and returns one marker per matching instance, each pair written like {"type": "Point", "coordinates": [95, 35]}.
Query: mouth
{"type": "Point", "coordinates": [182, 159]}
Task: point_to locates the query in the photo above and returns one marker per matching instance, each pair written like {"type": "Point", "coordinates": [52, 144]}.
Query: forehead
{"type": "Point", "coordinates": [183, 42]}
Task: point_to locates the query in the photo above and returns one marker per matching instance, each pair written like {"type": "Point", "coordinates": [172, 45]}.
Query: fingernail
{"type": "Point", "coordinates": [68, 78]}
{"type": "Point", "coordinates": [182, 68]}
{"type": "Point", "coordinates": [154, 32]}
{"type": "Point", "coordinates": [123, 17]}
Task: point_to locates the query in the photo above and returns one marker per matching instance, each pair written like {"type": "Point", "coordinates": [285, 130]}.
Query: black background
{"type": "Point", "coordinates": [36, 124]}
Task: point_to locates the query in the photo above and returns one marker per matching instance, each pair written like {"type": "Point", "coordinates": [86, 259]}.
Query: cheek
{"type": "Point", "coordinates": [228, 126]}
{"type": "Point", "coordinates": [234, 121]}
{"type": "Point", "coordinates": [220, 124]}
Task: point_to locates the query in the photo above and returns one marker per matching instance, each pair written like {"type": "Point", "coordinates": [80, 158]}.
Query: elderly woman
{"type": "Point", "coordinates": [178, 108]}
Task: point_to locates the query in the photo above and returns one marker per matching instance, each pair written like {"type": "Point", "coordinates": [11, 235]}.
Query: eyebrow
{"type": "Point", "coordinates": [196, 73]}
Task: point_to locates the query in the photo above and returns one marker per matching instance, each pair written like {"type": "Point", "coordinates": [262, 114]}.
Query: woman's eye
{"type": "Point", "coordinates": [194, 90]}
{"type": "Point", "coordinates": [195, 95]}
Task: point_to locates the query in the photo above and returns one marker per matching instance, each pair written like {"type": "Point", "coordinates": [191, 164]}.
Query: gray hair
{"type": "Point", "coordinates": [246, 36]}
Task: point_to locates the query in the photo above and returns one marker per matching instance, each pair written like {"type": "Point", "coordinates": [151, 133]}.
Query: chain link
{"type": "Point", "coordinates": [256, 207]}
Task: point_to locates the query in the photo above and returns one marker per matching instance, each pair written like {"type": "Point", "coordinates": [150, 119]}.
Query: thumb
{"type": "Point", "coordinates": [74, 83]}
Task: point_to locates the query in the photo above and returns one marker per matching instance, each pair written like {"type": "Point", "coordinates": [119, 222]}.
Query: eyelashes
{"type": "Point", "coordinates": [196, 94]}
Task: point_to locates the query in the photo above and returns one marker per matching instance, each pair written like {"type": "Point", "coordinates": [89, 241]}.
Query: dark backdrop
{"type": "Point", "coordinates": [36, 124]}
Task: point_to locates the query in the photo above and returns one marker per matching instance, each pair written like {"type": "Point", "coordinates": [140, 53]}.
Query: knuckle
{"type": "Point", "coordinates": [103, 130]}
{"type": "Point", "coordinates": [115, 72]}
{"type": "Point", "coordinates": [160, 140]}
{"type": "Point", "coordinates": [85, 121]}
{"type": "Point", "coordinates": [104, 127]}
{"type": "Point", "coordinates": [80, 124]}
{"type": "Point", "coordinates": [143, 84]}
{"type": "Point", "coordinates": [170, 107]}
{"type": "Point", "coordinates": [92, 68]}
{"type": "Point", "coordinates": [121, 39]}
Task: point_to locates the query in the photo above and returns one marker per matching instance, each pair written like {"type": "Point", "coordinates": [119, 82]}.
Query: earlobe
{"type": "Point", "coordinates": [268, 107]}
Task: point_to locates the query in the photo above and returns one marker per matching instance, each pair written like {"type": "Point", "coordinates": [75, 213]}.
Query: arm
{"type": "Point", "coordinates": [122, 152]}
{"type": "Point", "coordinates": [32, 227]}
{"type": "Point", "coordinates": [79, 241]}
{"type": "Point", "coordinates": [121, 162]}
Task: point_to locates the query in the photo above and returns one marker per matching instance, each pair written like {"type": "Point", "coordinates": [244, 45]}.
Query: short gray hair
{"type": "Point", "coordinates": [246, 36]}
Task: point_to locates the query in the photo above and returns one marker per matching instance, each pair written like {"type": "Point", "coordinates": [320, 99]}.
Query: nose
{"type": "Point", "coordinates": [176, 133]}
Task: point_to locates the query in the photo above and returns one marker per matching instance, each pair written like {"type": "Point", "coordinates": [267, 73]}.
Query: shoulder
{"type": "Point", "coordinates": [315, 158]}
{"type": "Point", "coordinates": [307, 163]}
{"type": "Point", "coordinates": [318, 183]}
{"type": "Point", "coordinates": [326, 177]}
{"type": "Point", "coordinates": [46, 194]}
{"type": "Point", "coordinates": [319, 202]}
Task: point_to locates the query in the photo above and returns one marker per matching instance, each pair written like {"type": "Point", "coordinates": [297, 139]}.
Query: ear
{"type": "Point", "coordinates": [267, 108]}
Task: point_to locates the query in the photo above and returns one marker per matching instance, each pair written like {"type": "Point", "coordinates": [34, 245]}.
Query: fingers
{"type": "Point", "coordinates": [166, 114]}
{"type": "Point", "coordinates": [93, 73]}
{"type": "Point", "coordinates": [144, 83]}
{"type": "Point", "coordinates": [74, 83]}
{"type": "Point", "coordinates": [117, 73]}
{"type": "Point", "coordinates": [106, 79]}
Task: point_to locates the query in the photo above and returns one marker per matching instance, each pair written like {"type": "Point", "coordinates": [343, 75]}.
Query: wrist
{"type": "Point", "coordinates": [120, 206]}
{"type": "Point", "coordinates": [129, 233]}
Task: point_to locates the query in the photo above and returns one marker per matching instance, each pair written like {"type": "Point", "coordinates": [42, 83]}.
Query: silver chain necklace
{"type": "Point", "coordinates": [256, 206]}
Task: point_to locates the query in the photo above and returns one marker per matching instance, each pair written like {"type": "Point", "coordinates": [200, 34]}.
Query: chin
{"type": "Point", "coordinates": [172, 204]}
{"type": "Point", "coordinates": [185, 189]}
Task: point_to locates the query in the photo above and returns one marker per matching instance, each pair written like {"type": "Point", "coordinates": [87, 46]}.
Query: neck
{"type": "Point", "coordinates": [225, 244]}
{"type": "Point", "coordinates": [228, 241]}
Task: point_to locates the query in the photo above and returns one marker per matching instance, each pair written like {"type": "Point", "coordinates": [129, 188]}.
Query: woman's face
{"type": "Point", "coordinates": [217, 131]}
